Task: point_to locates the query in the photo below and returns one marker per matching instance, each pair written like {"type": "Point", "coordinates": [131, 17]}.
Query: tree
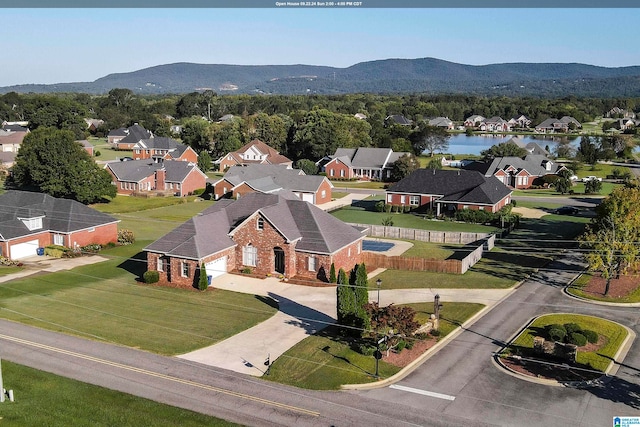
{"type": "Point", "coordinates": [332, 274]}
{"type": "Point", "coordinates": [588, 151]}
{"type": "Point", "coordinates": [404, 166]}
{"type": "Point", "coordinates": [307, 166]}
{"type": "Point", "coordinates": [612, 235]}
{"type": "Point", "coordinates": [504, 149]}
{"type": "Point", "coordinates": [361, 291]}
{"type": "Point", "coordinates": [563, 184]}
{"type": "Point", "coordinates": [203, 280]}
{"type": "Point", "coordinates": [346, 300]}
{"type": "Point", "coordinates": [593, 186]}
{"type": "Point", "coordinates": [204, 161]}
{"type": "Point", "coordinates": [196, 134]}
{"type": "Point", "coordinates": [429, 139]}
{"type": "Point", "coordinates": [52, 162]}
{"type": "Point", "coordinates": [434, 164]}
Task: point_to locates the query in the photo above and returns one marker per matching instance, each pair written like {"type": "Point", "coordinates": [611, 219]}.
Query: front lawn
{"type": "Point", "coordinates": [361, 216]}
{"type": "Point", "coordinates": [127, 204]}
{"type": "Point", "coordinates": [373, 185]}
{"type": "Point", "coordinates": [44, 399]}
{"type": "Point", "coordinates": [103, 301]}
{"type": "Point", "coordinates": [578, 191]}
{"type": "Point", "coordinates": [325, 361]}
{"type": "Point", "coordinates": [598, 359]}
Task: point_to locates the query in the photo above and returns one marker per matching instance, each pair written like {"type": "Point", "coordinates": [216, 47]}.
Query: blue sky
{"type": "Point", "coordinates": [66, 45]}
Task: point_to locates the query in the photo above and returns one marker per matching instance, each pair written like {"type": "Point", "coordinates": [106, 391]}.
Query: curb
{"type": "Point", "coordinates": [430, 352]}
{"type": "Point", "coordinates": [566, 292]}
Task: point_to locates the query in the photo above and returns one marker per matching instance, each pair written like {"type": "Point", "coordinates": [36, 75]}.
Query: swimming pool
{"type": "Point", "coordinates": [376, 246]}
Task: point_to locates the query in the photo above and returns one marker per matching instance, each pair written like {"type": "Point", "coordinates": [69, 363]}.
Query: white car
{"type": "Point", "coordinates": [591, 178]}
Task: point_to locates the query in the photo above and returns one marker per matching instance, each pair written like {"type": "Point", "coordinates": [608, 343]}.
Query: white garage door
{"type": "Point", "coordinates": [216, 268]}
{"type": "Point", "coordinates": [23, 250]}
{"type": "Point", "coordinates": [307, 197]}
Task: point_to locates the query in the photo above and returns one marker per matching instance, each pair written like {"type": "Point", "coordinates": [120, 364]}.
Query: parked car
{"type": "Point", "coordinates": [126, 159]}
{"type": "Point", "coordinates": [567, 210]}
{"type": "Point", "coordinates": [574, 178]}
{"type": "Point", "coordinates": [591, 178]}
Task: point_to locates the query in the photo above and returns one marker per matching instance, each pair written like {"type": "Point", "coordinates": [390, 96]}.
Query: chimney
{"type": "Point", "coordinates": [160, 177]}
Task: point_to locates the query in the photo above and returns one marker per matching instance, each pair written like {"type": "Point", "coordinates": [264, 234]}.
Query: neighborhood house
{"type": "Point", "coordinates": [360, 163]}
{"type": "Point", "coordinates": [264, 233]}
{"type": "Point", "coordinates": [516, 172]}
{"type": "Point", "coordinates": [29, 221]}
{"type": "Point", "coordinates": [255, 152]}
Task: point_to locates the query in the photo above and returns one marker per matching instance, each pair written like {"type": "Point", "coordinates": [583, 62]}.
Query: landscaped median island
{"type": "Point", "coordinates": [564, 348]}
{"type": "Point", "coordinates": [333, 357]}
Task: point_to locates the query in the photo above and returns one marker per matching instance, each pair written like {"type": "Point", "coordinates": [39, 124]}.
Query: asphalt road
{"type": "Point", "coordinates": [472, 391]}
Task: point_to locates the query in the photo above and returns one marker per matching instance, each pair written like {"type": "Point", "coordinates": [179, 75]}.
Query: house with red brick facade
{"type": "Point", "coordinates": [361, 163]}
{"type": "Point", "coordinates": [449, 190]}
{"type": "Point", "coordinates": [515, 172]}
{"type": "Point", "coordinates": [271, 179]}
{"type": "Point", "coordinates": [29, 221]}
{"type": "Point", "coordinates": [126, 138]}
{"type": "Point", "coordinates": [161, 147]}
{"type": "Point", "coordinates": [166, 177]}
{"type": "Point", "coordinates": [266, 233]}
{"type": "Point", "coordinates": [255, 152]}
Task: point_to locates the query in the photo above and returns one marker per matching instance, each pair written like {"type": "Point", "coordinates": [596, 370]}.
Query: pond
{"type": "Point", "coordinates": [474, 144]}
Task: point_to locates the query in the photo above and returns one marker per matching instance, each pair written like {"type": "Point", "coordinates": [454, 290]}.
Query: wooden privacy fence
{"type": "Point", "coordinates": [453, 265]}
{"type": "Point", "coordinates": [455, 237]}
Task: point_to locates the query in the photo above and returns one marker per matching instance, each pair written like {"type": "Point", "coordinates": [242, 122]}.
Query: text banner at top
{"type": "Point", "coordinates": [394, 4]}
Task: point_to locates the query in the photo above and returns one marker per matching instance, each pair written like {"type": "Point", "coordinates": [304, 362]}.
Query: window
{"type": "Point", "coordinates": [481, 208]}
{"type": "Point", "coordinates": [58, 239]}
{"type": "Point", "coordinates": [260, 224]}
{"type": "Point", "coordinates": [349, 252]}
{"type": "Point", "coordinates": [160, 264]}
{"type": "Point", "coordinates": [91, 230]}
{"type": "Point", "coordinates": [184, 269]}
{"type": "Point", "coordinates": [32, 223]}
{"type": "Point", "coordinates": [324, 193]}
{"type": "Point", "coordinates": [331, 172]}
{"type": "Point", "coordinates": [414, 200]}
{"type": "Point", "coordinates": [403, 199]}
{"type": "Point", "coordinates": [250, 255]}
{"type": "Point", "coordinates": [389, 198]}
{"type": "Point", "coordinates": [342, 173]}
{"type": "Point", "coordinates": [359, 247]}
{"type": "Point", "coordinates": [312, 263]}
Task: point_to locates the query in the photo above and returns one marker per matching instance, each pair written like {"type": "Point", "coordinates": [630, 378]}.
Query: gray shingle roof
{"type": "Point", "coordinates": [137, 170]}
{"type": "Point", "coordinates": [532, 163]}
{"type": "Point", "coordinates": [212, 231]}
{"type": "Point", "coordinates": [264, 177]}
{"type": "Point", "coordinates": [59, 215]}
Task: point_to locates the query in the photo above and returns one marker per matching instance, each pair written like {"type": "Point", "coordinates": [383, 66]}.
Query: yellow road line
{"type": "Point", "coordinates": [158, 375]}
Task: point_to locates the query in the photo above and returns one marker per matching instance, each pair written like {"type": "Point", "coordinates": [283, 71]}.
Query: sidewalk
{"type": "Point", "coordinates": [303, 311]}
{"type": "Point", "coordinates": [342, 202]}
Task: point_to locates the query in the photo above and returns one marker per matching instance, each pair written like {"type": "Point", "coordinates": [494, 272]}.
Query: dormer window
{"type": "Point", "coordinates": [260, 224]}
{"type": "Point", "coordinates": [32, 223]}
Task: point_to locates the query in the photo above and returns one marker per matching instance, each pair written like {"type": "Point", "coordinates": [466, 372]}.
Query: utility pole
{"type": "Point", "coordinates": [1, 384]}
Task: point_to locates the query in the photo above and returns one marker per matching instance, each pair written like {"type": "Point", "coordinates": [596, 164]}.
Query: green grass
{"type": "Point", "coordinates": [578, 189]}
{"type": "Point", "coordinates": [6, 269]}
{"type": "Point", "coordinates": [430, 250]}
{"type": "Point", "coordinates": [577, 286]}
{"type": "Point", "coordinates": [452, 314]}
{"type": "Point", "coordinates": [496, 270]}
{"type": "Point", "coordinates": [44, 399]}
{"type": "Point", "coordinates": [103, 301]}
{"type": "Point", "coordinates": [374, 185]}
{"type": "Point", "coordinates": [338, 194]}
{"type": "Point", "coordinates": [127, 204]}
{"type": "Point", "coordinates": [361, 216]}
{"type": "Point", "coordinates": [549, 232]}
{"type": "Point", "coordinates": [598, 360]}
{"type": "Point", "coordinates": [325, 361]}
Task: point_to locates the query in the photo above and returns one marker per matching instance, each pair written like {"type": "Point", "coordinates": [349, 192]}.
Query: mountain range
{"type": "Point", "coordinates": [423, 75]}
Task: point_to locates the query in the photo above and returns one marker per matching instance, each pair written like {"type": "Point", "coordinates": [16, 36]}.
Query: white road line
{"type": "Point", "coordinates": [423, 392]}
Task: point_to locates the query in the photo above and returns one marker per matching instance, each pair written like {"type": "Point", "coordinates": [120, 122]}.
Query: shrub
{"type": "Point", "coordinates": [92, 248]}
{"type": "Point", "coordinates": [435, 332]}
{"type": "Point", "coordinates": [380, 206]}
{"type": "Point", "coordinates": [387, 222]}
{"type": "Point", "coordinates": [591, 336]}
{"type": "Point", "coordinates": [245, 270]}
{"type": "Point", "coordinates": [555, 326]}
{"type": "Point", "coordinates": [410, 344]}
{"type": "Point", "coordinates": [571, 328]}
{"type": "Point", "coordinates": [126, 237]}
{"type": "Point", "coordinates": [577, 338]}
{"type": "Point", "coordinates": [97, 153]}
{"type": "Point", "coordinates": [387, 208]}
{"type": "Point", "coordinates": [55, 251]}
{"type": "Point", "coordinates": [557, 334]}
{"type": "Point", "coordinates": [203, 280]}
{"type": "Point", "coordinates": [407, 209]}
{"type": "Point", "coordinates": [151, 276]}
{"type": "Point", "coordinates": [366, 349]}
{"type": "Point", "coordinates": [401, 346]}
{"type": "Point", "coordinates": [199, 191]}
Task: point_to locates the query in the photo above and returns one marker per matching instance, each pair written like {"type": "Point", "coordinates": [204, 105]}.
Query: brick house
{"type": "Point", "coordinates": [168, 177]}
{"type": "Point", "coordinates": [126, 138]}
{"type": "Point", "coordinates": [363, 163]}
{"type": "Point", "coordinates": [495, 124]}
{"type": "Point", "coordinates": [515, 172]}
{"type": "Point", "coordinates": [267, 233]}
{"type": "Point", "coordinates": [268, 179]}
{"type": "Point", "coordinates": [561, 125]}
{"type": "Point", "coordinates": [449, 190]}
{"type": "Point", "coordinates": [161, 147]}
{"type": "Point", "coordinates": [29, 221]}
{"type": "Point", "coordinates": [255, 152]}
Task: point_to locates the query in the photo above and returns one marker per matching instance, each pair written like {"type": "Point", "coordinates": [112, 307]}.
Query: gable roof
{"type": "Point", "coordinates": [266, 178]}
{"type": "Point", "coordinates": [132, 134]}
{"type": "Point", "coordinates": [272, 155]}
{"type": "Point", "coordinates": [59, 215]}
{"type": "Point", "coordinates": [137, 170]}
{"type": "Point", "coordinates": [533, 163]}
{"type": "Point", "coordinates": [453, 186]}
{"type": "Point", "coordinates": [210, 232]}
{"type": "Point", "coordinates": [367, 157]}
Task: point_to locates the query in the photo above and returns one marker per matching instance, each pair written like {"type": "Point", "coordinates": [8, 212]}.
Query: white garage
{"type": "Point", "coordinates": [216, 267]}
{"type": "Point", "coordinates": [23, 250]}
{"type": "Point", "coordinates": [307, 197]}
